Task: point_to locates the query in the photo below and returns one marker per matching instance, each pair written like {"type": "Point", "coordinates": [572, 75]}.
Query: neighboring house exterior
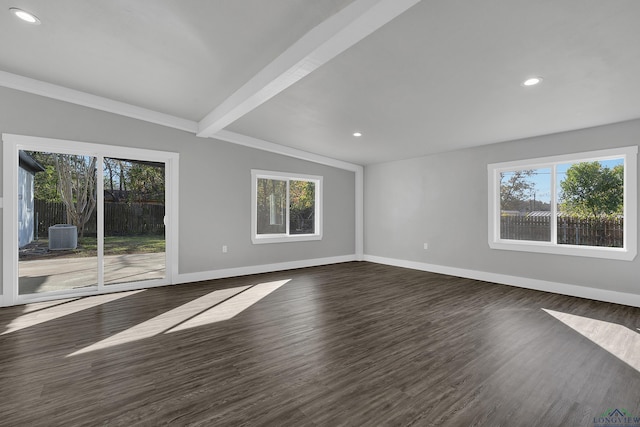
{"type": "Point", "coordinates": [26, 215]}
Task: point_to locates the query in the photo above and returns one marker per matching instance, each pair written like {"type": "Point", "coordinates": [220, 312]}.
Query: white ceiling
{"type": "Point", "coordinates": [441, 76]}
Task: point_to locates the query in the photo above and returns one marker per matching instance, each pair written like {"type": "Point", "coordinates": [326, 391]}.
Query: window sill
{"type": "Point", "coordinates": [274, 238]}
{"type": "Point", "coordinates": [571, 250]}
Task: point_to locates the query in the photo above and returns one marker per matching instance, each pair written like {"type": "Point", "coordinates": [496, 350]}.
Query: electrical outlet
{"type": "Point", "coordinates": [426, 246]}
{"type": "Point", "coordinates": [225, 249]}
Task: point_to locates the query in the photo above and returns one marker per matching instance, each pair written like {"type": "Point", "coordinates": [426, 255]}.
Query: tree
{"type": "Point", "coordinates": [113, 173]}
{"type": "Point", "coordinates": [592, 191]}
{"type": "Point", "coordinates": [146, 182]}
{"type": "Point", "coordinates": [134, 181]}
{"type": "Point", "coordinates": [77, 187]}
{"type": "Point", "coordinates": [515, 189]}
{"type": "Point", "coordinates": [271, 206]}
{"type": "Point", "coordinates": [302, 205]}
{"type": "Point", "coordinates": [46, 182]}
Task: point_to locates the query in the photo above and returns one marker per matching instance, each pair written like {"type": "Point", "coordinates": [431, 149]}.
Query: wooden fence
{"type": "Point", "coordinates": [120, 219]}
{"type": "Point", "coordinates": [570, 231]}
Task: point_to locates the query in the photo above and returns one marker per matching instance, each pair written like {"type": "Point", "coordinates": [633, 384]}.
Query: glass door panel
{"type": "Point", "coordinates": [134, 229]}
{"type": "Point", "coordinates": [57, 222]}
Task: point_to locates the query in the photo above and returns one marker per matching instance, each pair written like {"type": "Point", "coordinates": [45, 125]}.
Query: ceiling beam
{"type": "Point", "coordinates": [38, 87]}
{"type": "Point", "coordinates": [317, 47]}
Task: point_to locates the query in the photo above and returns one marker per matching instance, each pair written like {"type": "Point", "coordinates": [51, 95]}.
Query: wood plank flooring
{"type": "Point", "coordinates": [353, 344]}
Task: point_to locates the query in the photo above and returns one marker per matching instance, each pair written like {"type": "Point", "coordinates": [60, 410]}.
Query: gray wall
{"type": "Point", "coordinates": [442, 200]}
{"type": "Point", "coordinates": [215, 182]}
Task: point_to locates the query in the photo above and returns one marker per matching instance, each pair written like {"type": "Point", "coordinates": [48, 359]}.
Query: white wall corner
{"type": "Point", "coordinates": [359, 220]}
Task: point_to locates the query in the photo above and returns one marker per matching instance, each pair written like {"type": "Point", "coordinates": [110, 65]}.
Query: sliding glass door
{"type": "Point", "coordinates": [85, 222]}
{"type": "Point", "coordinates": [134, 211]}
{"type": "Point", "coordinates": [57, 240]}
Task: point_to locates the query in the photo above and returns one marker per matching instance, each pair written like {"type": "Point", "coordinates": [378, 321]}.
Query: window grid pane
{"type": "Point", "coordinates": [302, 207]}
{"type": "Point", "coordinates": [525, 208]}
{"type": "Point", "coordinates": [590, 203]}
{"type": "Point", "coordinates": [271, 206]}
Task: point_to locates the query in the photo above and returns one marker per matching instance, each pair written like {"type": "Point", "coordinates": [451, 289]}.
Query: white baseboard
{"type": "Point", "coordinates": [522, 282]}
{"type": "Point", "coordinates": [257, 269]}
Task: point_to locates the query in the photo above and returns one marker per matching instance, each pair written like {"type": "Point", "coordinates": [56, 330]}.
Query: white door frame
{"type": "Point", "coordinates": [12, 144]}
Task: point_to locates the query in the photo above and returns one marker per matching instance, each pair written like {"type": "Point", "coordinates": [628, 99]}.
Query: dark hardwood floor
{"type": "Point", "coordinates": [348, 344]}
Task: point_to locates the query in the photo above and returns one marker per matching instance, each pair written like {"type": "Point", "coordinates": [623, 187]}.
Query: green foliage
{"type": "Point", "coordinates": [146, 182]}
{"type": "Point", "coordinates": [70, 179]}
{"type": "Point", "coordinates": [46, 185]}
{"type": "Point", "coordinates": [302, 196]}
{"type": "Point", "coordinates": [134, 181]}
{"type": "Point", "coordinates": [46, 182]}
{"type": "Point", "coordinates": [271, 209]}
{"type": "Point", "coordinates": [271, 206]}
{"type": "Point", "coordinates": [592, 191]}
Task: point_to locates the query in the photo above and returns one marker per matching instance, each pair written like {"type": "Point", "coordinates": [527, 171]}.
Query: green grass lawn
{"type": "Point", "coordinates": [118, 245]}
{"type": "Point", "coordinates": [88, 247]}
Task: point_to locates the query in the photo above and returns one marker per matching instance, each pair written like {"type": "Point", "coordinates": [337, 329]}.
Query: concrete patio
{"type": "Point", "coordinates": [54, 274]}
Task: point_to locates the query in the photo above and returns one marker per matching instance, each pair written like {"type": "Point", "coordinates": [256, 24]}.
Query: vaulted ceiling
{"type": "Point", "coordinates": [414, 76]}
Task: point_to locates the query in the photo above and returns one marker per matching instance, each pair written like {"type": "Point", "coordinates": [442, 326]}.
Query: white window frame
{"type": "Point", "coordinates": [629, 249]}
{"type": "Point", "coordinates": [284, 237]}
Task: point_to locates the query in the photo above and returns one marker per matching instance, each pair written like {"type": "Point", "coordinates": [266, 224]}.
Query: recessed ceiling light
{"type": "Point", "coordinates": [25, 16]}
{"type": "Point", "coordinates": [357, 134]}
{"type": "Point", "coordinates": [532, 81]}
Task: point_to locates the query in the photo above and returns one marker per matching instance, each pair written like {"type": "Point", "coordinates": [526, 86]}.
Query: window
{"type": "Point", "coordinates": [285, 207]}
{"type": "Point", "coordinates": [581, 204]}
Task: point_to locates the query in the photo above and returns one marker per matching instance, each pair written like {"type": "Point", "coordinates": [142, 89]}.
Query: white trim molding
{"type": "Point", "coordinates": [263, 268]}
{"type": "Point", "coordinates": [520, 282]}
{"type": "Point", "coordinates": [283, 150]}
{"type": "Point", "coordinates": [61, 93]}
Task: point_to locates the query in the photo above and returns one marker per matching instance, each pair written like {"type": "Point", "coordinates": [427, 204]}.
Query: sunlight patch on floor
{"type": "Point", "coordinates": [38, 313]}
{"type": "Point", "coordinates": [164, 321]}
{"type": "Point", "coordinates": [622, 342]}
{"type": "Point", "coordinates": [37, 306]}
{"type": "Point", "coordinates": [213, 307]}
{"type": "Point", "coordinates": [231, 307]}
